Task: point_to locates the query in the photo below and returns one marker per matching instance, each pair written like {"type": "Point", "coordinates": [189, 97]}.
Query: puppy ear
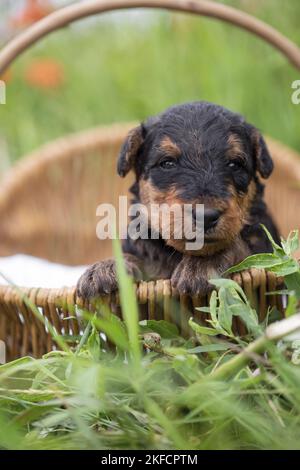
{"type": "Point", "coordinates": [264, 162]}
{"type": "Point", "coordinates": [130, 150]}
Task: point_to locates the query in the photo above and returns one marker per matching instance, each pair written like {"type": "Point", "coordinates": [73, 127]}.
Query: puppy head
{"type": "Point", "coordinates": [198, 153]}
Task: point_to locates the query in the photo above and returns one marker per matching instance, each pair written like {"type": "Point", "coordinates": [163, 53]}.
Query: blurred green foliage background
{"type": "Point", "coordinates": [118, 71]}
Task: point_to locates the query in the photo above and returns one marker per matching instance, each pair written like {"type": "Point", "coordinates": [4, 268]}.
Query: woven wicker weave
{"type": "Point", "coordinates": [73, 175]}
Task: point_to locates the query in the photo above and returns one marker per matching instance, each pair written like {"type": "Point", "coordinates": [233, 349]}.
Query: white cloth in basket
{"type": "Point", "coordinates": [27, 271]}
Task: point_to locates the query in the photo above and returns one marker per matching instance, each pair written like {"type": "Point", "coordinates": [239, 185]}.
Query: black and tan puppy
{"type": "Point", "coordinates": [193, 153]}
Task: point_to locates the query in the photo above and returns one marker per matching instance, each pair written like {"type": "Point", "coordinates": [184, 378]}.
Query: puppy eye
{"type": "Point", "coordinates": [235, 164]}
{"type": "Point", "coordinates": [167, 163]}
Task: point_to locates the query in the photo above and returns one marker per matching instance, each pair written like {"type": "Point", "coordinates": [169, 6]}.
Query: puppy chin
{"type": "Point", "coordinates": [209, 248]}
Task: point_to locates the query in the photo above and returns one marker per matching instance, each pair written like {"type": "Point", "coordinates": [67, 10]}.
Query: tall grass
{"type": "Point", "coordinates": [205, 392]}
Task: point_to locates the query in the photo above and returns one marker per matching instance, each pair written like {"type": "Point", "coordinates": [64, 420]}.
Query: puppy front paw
{"type": "Point", "coordinates": [189, 278]}
{"type": "Point", "coordinates": [101, 278]}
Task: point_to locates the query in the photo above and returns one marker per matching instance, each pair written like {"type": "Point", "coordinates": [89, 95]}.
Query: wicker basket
{"type": "Point", "coordinates": [59, 224]}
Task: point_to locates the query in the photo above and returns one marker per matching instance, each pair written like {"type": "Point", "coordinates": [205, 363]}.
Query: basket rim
{"type": "Point", "coordinates": [145, 290]}
{"type": "Point", "coordinates": [60, 148]}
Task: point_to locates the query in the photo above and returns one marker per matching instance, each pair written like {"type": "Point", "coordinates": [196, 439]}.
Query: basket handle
{"type": "Point", "coordinates": [71, 13]}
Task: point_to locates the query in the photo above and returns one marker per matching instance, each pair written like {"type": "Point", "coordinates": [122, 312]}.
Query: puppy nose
{"type": "Point", "coordinates": [211, 217]}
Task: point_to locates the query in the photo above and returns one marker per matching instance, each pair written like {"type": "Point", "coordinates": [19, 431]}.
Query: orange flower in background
{"type": "Point", "coordinates": [46, 74]}
{"type": "Point", "coordinates": [34, 10]}
{"type": "Point", "coordinates": [7, 76]}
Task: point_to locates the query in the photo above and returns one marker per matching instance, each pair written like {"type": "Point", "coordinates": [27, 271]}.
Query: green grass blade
{"type": "Point", "coordinates": [128, 303]}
